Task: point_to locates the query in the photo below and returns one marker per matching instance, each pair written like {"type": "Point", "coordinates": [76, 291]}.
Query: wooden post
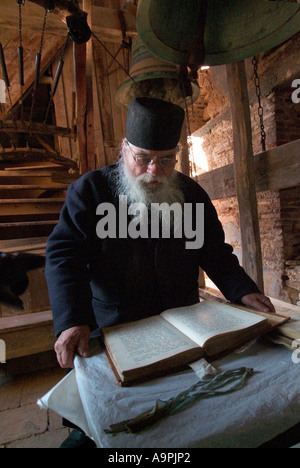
{"type": "Point", "coordinates": [244, 171]}
{"type": "Point", "coordinates": [83, 57]}
{"type": "Point", "coordinates": [90, 135]}
{"type": "Point", "coordinates": [183, 162]}
{"type": "Point", "coordinates": [80, 86]}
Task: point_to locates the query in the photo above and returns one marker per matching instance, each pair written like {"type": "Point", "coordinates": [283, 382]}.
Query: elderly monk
{"type": "Point", "coordinates": [99, 280]}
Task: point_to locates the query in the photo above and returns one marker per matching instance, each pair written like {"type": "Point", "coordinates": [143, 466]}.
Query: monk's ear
{"type": "Point", "coordinates": [124, 147]}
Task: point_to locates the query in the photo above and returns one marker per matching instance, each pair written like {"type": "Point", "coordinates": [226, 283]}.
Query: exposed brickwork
{"type": "Point", "coordinates": [279, 211]}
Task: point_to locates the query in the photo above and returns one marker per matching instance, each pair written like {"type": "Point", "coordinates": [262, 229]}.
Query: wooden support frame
{"type": "Point", "coordinates": [274, 169]}
{"type": "Point", "coordinates": [244, 171]}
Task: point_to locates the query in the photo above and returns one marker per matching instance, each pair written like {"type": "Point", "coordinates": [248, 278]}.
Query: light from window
{"type": "Point", "coordinates": [200, 157]}
{"type": "Point", "coordinates": [2, 92]}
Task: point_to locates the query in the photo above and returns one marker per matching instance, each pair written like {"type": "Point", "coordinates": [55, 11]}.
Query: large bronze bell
{"type": "Point", "coordinates": [214, 32]}
{"type": "Point", "coordinates": [155, 78]}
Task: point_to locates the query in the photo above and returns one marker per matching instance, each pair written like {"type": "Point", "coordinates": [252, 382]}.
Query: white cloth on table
{"type": "Point", "coordinates": [266, 406]}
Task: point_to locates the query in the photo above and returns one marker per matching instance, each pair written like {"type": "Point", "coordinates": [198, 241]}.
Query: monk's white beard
{"type": "Point", "coordinates": [137, 190]}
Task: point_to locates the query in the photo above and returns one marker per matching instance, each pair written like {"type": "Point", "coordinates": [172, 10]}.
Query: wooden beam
{"type": "Point", "coordinates": [32, 168]}
{"type": "Point", "coordinates": [54, 155]}
{"type": "Point", "coordinates": [106, 23]}
{"type": "Point", "coordinates": [274, 169]}
{"type": "Point", "coordinates": [10, 126]}
{"type": "Point", "coordinates": [115, 77]}
{"type": "Point", "coordinates": [64, 105]}
{"type": "Point", "coordinates": [101, 160]}
{"type": "Point", "coordinates": [244, 171]}
{"type": "Point", "coordinates": [52, 46]}
{"type": "Point", "coordinates": [81, 98]}
{"type": "Point", "coordinates": [183, 162]}
{"type": "Point", "coordinates": [103, 110]}
{"type": "Point", "coordinates": [9, 154]}
{"type": "Point", "coordinates": [23, 173]}
{"type": "Point", "coordinates": [89, 121]}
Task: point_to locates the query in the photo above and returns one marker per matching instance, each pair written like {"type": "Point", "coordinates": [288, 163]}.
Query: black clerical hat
{"type": "Point", "coordinates": [154, 124]}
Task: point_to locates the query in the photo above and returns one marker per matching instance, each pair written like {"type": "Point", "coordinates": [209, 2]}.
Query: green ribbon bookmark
{"type": "Point", "coordinates": [221, 384]}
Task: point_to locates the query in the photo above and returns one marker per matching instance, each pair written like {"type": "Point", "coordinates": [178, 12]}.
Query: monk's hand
{"type": "Point", "coordinates": [258, 302]}
{"type": "Point", "coordinates": [72, 341]}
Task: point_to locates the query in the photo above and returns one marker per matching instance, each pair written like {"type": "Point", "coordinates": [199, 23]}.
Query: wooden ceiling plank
{"type": "Point", "coordinates": [105, 21]}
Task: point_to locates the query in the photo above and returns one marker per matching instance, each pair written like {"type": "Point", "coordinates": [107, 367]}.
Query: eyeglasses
{"type": "Point", "coordinates": [144, 160]}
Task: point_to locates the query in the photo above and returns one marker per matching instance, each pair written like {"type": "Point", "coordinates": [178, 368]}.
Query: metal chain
{"type": "Point", "coordinates": [43, 31]}
{"type": "Point", "coordinates": [260, 108]}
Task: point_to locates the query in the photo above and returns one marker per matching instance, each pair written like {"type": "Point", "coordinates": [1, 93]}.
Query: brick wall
{"type": "Point", "coordinates": [279, 211]}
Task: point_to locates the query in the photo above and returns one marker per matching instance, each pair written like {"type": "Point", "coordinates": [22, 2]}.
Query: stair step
{"type": "Point", "coordinates": [34, 187]}
{"type": "Point", "coordinates": [12, 207]}
{"type": "Point", "coordinates": [33, 168]}
{"type": "Point", "coordinates": [29, 223]}
{"type": "Point", "coordinates": [64, 177]}
{"type": "Point", "coordinates": [27, 248]}
{"type": "Point", "coordinates": [22, 245]}
{"type": "Point", "coordinates": [31, 200]}
{"type": "Point", "coordinates": [31, 191]}
{"type": "Point", "coordinates": [27, 334]}
{"type": "Point", "coordinates": [29, 172]}
{"type": "Point", "coordinates": [25, 180]}
{"type": "Point", "coordinates": [17, 322]}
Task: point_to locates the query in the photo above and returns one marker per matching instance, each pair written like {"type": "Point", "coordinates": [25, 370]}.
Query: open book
{"type": "Point", "coordinates": [165, 343]}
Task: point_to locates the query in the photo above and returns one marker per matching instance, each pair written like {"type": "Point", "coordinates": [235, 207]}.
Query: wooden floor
{"type": "Point", "coordinates": [22, 423]}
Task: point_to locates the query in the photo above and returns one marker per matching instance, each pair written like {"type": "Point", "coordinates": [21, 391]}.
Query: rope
{"type": "Point", "coordinates": [120, 65]}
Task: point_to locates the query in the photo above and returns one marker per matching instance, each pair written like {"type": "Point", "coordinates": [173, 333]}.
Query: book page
{"type": "Point", "coordinates": [144, 342]}
{"type": "Point", "coordinates": [291, 328]}
{"type": "Point", "coordinates": [206, 319]}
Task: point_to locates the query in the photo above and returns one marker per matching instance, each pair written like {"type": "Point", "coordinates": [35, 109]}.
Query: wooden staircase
{"type": "Point", "coordinates": [30, 204]}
